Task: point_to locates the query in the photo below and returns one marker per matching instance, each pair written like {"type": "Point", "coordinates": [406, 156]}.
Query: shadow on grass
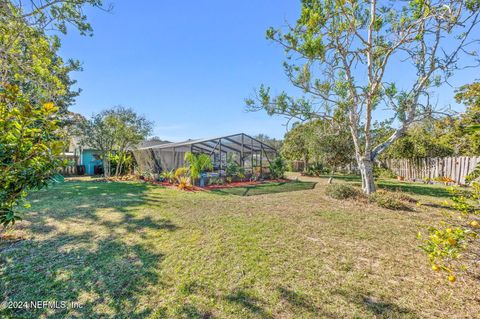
{"type": "Point", "coordinates": [376, 307]}
{"type": "Point", "coordinates": [266, 188]}
{"type": "Point", "coordinates": [104, 271]}
{"type": "Point", "coordinates": [74, 200]}
{"type": "Point", "coordinates": [139, 225]}
{"type": "Point", "coordinates": [299, 304]}
{"type": "Point", "coordinates": [302, 303]}
{"type": "Point", "coordinates": [248, 301]}
{"type": "Point", "coordinates": [108, 276]}
{"type": "Point", "coordinates": [347, 178]}
{"type": "Point", "coordinates": [297, 300]}
{"type": "Point", "coordinates": [384, 309]}
{"type": "Point", "coordinates": [191, 312]}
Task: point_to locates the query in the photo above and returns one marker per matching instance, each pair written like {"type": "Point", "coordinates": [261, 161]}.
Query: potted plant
{"type": "Point", "coordinates": [203, 179]}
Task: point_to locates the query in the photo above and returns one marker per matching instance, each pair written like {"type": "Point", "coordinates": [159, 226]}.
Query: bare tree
{"type": "Point", "coordinates": [345, 56]}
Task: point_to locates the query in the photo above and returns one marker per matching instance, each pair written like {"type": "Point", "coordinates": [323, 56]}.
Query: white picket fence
{"type": "Point", "coordinates": [456, 168]}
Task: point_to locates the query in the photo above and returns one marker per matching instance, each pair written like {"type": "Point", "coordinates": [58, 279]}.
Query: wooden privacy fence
{"type": "Point", "coordinates": [456, 168]}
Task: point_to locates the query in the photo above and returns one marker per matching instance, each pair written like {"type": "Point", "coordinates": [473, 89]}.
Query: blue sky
{"type": "Point", "coordinates": [187, 65]}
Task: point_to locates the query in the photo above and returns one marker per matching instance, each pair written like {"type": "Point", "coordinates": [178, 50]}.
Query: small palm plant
{"type": "Point", "coordinates": [168, 176]}
{"type": "Point", "coordinates": [180, 172]}
{"type": "Point", "coordinates": [183, 183]}
{"type": "Point", "coordinates": [180, 177]}
{"type": "Point", "coordinates": [197, 163]}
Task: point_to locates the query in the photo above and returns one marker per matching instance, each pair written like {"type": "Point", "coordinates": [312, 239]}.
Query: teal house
{"type": "Point", "coordinates": [83, 159]}
{"type": "Point", "coordinates": [91, 160]}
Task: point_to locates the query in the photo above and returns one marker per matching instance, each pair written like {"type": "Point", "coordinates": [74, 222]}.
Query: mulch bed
{"type": "Point", "coordinates": [243, 184]}
{"type": "Point", "coordinates": [215, 187]}
{"type": "Point", "coordinates": [190, 188]}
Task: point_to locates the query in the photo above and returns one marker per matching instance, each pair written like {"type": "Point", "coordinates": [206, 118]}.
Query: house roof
{"type": "Point", "coordinates": [150, 143]}
{"type": "Point", "coordinates": [234, 142]}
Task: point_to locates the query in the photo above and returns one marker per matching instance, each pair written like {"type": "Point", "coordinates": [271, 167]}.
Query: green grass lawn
{"type": "Point", "coordinates": [266, 188]}
{"type": "Point", "coordinates": [133, 250]}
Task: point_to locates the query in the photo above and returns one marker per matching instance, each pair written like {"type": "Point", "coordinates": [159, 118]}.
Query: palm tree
{"type": "Point", "coordinates": [197, 164]}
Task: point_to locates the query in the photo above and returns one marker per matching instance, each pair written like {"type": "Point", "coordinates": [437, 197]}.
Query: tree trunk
{"type": "Point", "coordinates": [332, 172]}
{"type": "Point", "coordinates": [120, 169]}
{"type": "Point", "coordinates": [106, 166]}
{"type": "Point", "coordinates": [366, 170]}
{"type": "Point", "coordinates": [119, 165]}
{"type": "Point", "coordinates": [305, 164]}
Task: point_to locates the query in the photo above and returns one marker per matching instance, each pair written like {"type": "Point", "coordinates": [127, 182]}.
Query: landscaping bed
{"type": "Point", "coordinates": [239, 186]}
{"type": "Point", "coordinates": [244, 184]}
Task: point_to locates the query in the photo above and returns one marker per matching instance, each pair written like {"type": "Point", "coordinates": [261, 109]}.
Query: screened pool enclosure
{"type": "Point", "coordinates": [251, 154]}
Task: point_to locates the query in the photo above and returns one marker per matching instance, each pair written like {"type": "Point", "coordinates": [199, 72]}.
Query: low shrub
{"type": "Point", "coordinates": [383, 172]}
{"type": "Point", "coordinates": [216, 181]}
{"type": "Point", "coordinates": [277, 168]}
{"type": "Point", "coordinates": [341, 191]}
{"type": "Point", "coordinates": [183, 183]}
{"type": "Point", "coordinates": [168, 176]}
{"type": "Point", "coordinates": [405, 198]}
{"type": "Point", "coordinates": [180, 172]}
{"type": "Point", "coordinates": [146, 176]}
{"type": "Point", "coordinates": [316, 169]}
{"type": "Point", "coordinates": [389, 200]}
{"type": "Point", "coordinates": [427, 180]}
{"type": "Point", "coordinates": [234, 171]}
{"type": "Point", "coordinates": [444, 179]}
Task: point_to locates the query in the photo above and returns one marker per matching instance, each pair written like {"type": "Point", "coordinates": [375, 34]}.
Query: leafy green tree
{"type": "Point", "coordinates": [115, 131]}
{"type": "Point", "coordinates": [456, 237]}
{"type": "Point", "coordinates": [466, 134]}
{"type": "Point", "coordinates": [35, 91]}
{"type": "Point", "coordinates": [450, 136]}
{"type": "Point", "coordinates": [297, 143]}
{"type": "Point", "coordinates": [334, 149]}
{"type": "Point", "coordinates": [197, 163]}
{"type": "Point", "coordinates": [320, 141]}
{"type": "Point", "coordinates": [342, 53]}
{"type": "Point", "coordinates": [129, 130]}
{"type": "Point", "coordinates": [29, 149]}
{"type": "Point", "coordinates": [425, 139]}
{"type": "Point", "coordinates": [273, 142]}
{"type": "Point", "coordinates": [29, 57]}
